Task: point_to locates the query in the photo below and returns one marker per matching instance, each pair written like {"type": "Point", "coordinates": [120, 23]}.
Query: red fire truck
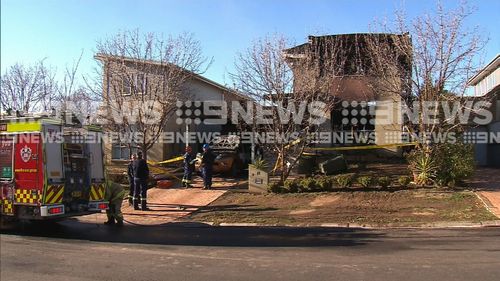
{"type": "Point", "coordinates": [49, 169]}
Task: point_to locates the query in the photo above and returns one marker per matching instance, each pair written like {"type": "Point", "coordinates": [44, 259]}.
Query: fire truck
{"type": "Point", "coordinates": [49, 168]}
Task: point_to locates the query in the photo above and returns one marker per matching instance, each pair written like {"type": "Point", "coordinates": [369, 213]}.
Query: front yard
{"type": "Point", "coordinates": [380, 208]}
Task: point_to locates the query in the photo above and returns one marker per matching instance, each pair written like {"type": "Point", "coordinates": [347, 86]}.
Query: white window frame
{"type": "Point", "coordinates": [122, 147]}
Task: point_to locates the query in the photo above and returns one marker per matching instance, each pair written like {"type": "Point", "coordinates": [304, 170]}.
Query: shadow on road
{"type": "Point", "coordinates": [196, 234]}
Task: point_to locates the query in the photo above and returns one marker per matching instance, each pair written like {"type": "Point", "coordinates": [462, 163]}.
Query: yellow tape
{"type": "Point", "coordinates": [295, 142]}
{"type": "Point", "coordinates": [363, 147]}
{"type": "Point", "coordinates": [173, 160]}
{"type": "Point", "coordinates": [164, 170]}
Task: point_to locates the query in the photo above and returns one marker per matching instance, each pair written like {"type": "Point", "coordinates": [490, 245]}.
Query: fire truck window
{"type": "Point", "coordinates": [6, 149]}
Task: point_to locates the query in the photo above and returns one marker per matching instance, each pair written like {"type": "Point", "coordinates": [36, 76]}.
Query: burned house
{"type": "Point", "coordinates": [368, 97]}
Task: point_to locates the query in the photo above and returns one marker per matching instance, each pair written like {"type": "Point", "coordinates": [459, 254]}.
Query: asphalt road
{"type": "Point", "coordinates": [72, 250]}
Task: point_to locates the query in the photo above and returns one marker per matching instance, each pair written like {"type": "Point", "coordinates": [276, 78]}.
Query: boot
{"type": "Point", "coordinates": [119, 223]}
{"type": "Point", "coordinates": [136, 205]}
{"type": "Point", "coordinates": [110, 222]}
{"type": "Point", "coordinates": [144, 206]}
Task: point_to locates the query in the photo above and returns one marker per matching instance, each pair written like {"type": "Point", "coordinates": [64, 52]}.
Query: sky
{"type": "Point", "coordinates": [59, 30]}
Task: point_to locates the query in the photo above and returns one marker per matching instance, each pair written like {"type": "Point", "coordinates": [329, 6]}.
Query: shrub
{"type": "Point", "coordinates": [275, 187]}
{"type": "Point", "coordinates": [260, 164]}
{"type": "Point", "coordinates": [404, 180]}
{"type": "Point", "coordinates": [455, 163]}
{"type": "Point", "coordinates": [343, 180]}
{"type": "Point", "coordinates": [384, 181]}
{"type": "Point", "coordinates": [324, 184]}
{"type": "Point", "coordinates": [291, 186]}
{"type": "Point", "coordinates": [444, 165]}
{"type": "Point", "coordinates": [307, 185]}
{"type": "Point", "coordinates": [365, 181]}
{"type": "Point", "coordinates": [423, 166]}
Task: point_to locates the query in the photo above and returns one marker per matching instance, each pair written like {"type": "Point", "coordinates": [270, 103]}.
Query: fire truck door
{"type": "Point", "coordinates": [28, 172]}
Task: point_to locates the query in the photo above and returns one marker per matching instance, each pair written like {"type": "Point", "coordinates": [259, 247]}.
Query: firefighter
{"type": "Point", "coordinates": [130, 173]}
{"type": "Point", "coordinates": [207, 163]}
{"type": "Point", "coordinates": [141, 174]}
{"type": "Point", "coordinates": [189, 160]}
{"type": "Point", "coordinates": [114, 195]}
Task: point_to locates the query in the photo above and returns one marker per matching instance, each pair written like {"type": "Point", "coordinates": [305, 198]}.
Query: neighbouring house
{"type": "Point", "coordinates": [343, 64]}
{"type": "Point", "coordinates": [196, 88]}
{"type": "Point", "coordinates": [486, 86]}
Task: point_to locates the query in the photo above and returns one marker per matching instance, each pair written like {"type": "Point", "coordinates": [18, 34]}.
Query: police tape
{"type": "Point", "coordinates": [173, 160]}
{"type": "Point", "coordinates": [155, 166]}
{"type": "Point", "coordinates": [363, 147]}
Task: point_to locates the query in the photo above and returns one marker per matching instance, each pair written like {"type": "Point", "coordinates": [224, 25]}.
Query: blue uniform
{"type": "Point", "coordinates": [188, 169]}
{"type": "Point", "coordinates": [207, 163]}
{"type": "Point", "coordinates": [141, 173]}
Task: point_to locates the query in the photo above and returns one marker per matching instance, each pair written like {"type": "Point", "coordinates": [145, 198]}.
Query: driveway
{"type": "Point", "coordinates": [486, 181]}
{"type": "Point", "coordinates": [168, 205]}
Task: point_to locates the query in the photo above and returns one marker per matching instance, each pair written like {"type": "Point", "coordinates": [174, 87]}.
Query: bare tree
{"type": "Point", "coordinates": [433, 66]}
{"type": "Point", "coordinates": [286, 105]}
{"type": "Point", "coordinates": [143, 75]}
{"type": "Point", "coordinates": [28, 88]}
{"type": "Point", "coordinates": [74, 97]}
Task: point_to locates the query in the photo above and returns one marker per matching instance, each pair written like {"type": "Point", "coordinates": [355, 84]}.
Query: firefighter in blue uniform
{"type": "Point", "coordinates": [207, 163]}
{"type": "Point", "coordinates": [141, 174]}
{"type": "Point", "coordinates": [189, 160]}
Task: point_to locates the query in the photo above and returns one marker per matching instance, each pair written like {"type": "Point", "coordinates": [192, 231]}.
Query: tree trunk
{"type": "Point", "coordinates": [283, 163]}
{"type": "Point", "coordinates": [144, 151]}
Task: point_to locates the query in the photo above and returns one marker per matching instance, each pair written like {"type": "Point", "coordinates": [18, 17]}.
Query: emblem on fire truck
{"type": "Point", "coordinates": [26, 153]}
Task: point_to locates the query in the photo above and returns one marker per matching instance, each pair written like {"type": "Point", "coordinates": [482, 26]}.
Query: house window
{"type": "Point", "coordinates": [122, 151]}
{"type": "Point", "coordinates": [126, 87]}
{"type": "Point", "coordinates": [141, 83]}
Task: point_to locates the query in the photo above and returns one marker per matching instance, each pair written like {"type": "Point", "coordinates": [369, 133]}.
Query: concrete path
{"type": "Point", "coordinates": [168, 205]}
{"type": "Point", "coordinates": [486, 181]}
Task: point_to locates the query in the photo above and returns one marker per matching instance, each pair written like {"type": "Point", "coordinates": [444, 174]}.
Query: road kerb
{"type": "Point", "coordinates": [495, 223]}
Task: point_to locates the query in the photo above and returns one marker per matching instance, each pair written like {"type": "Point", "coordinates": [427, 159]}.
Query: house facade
{"type": "Point", "coordinates": [486, 86]}
{"type": "Point", "coordinates": [123, 79]}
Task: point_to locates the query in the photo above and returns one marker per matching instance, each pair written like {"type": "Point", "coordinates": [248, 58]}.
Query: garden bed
{"type": "Point", "coordinates": [380, 208]}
